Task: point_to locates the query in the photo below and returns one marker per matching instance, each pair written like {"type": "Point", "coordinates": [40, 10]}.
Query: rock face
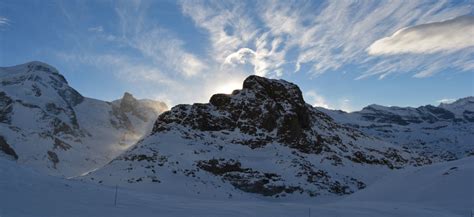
{"type": "Point", "coordinates": [445, 132]}
{"type": "Point", "coordinates": [47, 124]}
{"type": "Point", "coordinates": [267, 110]}
{"type": "Point", "coordinates": [143, 109]}
{"type": "Point", "coordinates": [7, 149]}
{"type": "Point", "coordinates": [263, 139]}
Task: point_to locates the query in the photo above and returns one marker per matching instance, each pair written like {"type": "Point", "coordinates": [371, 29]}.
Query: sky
{"type": "Point", "coordinates": [342, 54]}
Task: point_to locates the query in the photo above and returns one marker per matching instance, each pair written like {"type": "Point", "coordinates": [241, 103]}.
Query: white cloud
{"type": "Point", "coordinates": [165, 49]}
{"type": "Point", "coordinates": [448, 35]}
{"type": "Point", "coordinates": [264, 61]}
{"type": "Point", "coordinates": [267, 38]}
{"type": "Point", "coordinates": [146, 79]}
{"type": "Point", "coordinates": [4, 21]}
{"type": "Point", "coordinates": [161, 46]}
{"type": "Point", "coordinates": [96, 29]}
{"type": "Point", "coordinates": [322, 37]}
{"type": "Point", "coordinates": [316, 100]}
{"type": "Point", "coordinates": [229, 24]}
{"type": "Point", "coordinates": [339, 34]}
{"type": "Point", "coordinates": [345, 105]}
{"type": "Point", "coordinates": [242, 56]}
{"type": "Point", "coordinates": [446, 100]}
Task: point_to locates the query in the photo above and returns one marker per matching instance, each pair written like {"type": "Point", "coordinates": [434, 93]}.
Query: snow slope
{"type": "Point", "coordinates": [23, 192]}
{"type": "Point", "coordinates": [46, 124]}
{"type": "Point", "coordinates": [449, 185]}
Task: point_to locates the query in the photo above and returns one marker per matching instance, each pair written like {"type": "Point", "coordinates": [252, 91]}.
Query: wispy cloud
{"type": "Point", "coordinates": [316, 100]}
{"type": "Point", "coordinates": [4, 21]}
{"type": "Point", "coordinates": [230, 25]}
{"type": "Point", "coordinates": [275, 36]}
{"type": "Point", "coordinates": [96, 29]}
{"type": "Point", "coordinates": [166, 50]}
{"type": "Point", "coordinates": [339, 34]}
{"type": "Point", "coordinates": [446, 100]}
{"type": "Point", "coordinates": [448, 35]}
{"type": "Point", "coordinates": [268, 38]}
{"type": "Point", "coordinates": [163, 47]}
{"type": "Point", "coordinates": [163, 66]}
{"type": "Point", "coordinates": [345, 105]}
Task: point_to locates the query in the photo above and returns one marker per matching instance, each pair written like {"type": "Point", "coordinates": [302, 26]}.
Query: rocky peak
{"type": "Point", "coordinates": [274, 89]}
{"type": "Point", "coordinates": [267, 110]}
{"type": "Point", "coordinates": [460, 106]}
{"type": "Point", "coordinates": [41, 67]}
{"type": "Point", "coordinates": [236, 138]}
{"type": "Point", "coordinates": [128, 102]}
{"type": "Point", "coordinates": [38, 68]}
{"type": "Point", "coordinates": [143, 109]}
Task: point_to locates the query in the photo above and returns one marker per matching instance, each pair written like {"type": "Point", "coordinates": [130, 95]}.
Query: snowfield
{"type": "Point", "coordinates": [443, 189]}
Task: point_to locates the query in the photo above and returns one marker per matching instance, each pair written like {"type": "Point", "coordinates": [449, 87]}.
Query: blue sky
{"type": "Point", "coordinates": [343, 54]}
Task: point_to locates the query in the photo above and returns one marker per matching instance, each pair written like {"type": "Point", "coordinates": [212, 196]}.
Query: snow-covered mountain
{"type": "Point", "coordinates": [262, 139]}
{"type": "Point", "coordinates": [444, 132]}
{"type": "Point", "coordinates": [48, 125]}
{"type": "Point", "coordinates": [230, 157]}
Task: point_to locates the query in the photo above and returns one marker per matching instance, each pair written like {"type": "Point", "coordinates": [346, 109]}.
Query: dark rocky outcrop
{"type": "Point", "coordinates": [7, 149]}
{"type": "Point", "coordinates": [268, 110]}
{"type": "Point", "coordinates": [5, 108]}
{"type": "Point", "coordinates": [247, 179]}
{"type": "Point", "coordinates": [53, 157]}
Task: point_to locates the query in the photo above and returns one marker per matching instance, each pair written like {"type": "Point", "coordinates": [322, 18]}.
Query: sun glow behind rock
{"type": "Point", "coordinates": [228, 87]}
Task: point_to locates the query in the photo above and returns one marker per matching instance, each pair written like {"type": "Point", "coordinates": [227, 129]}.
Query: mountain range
{"type": "Point", "coordinates": [262, 141]}
{"type": "Point", "coordinates": [441, 133]}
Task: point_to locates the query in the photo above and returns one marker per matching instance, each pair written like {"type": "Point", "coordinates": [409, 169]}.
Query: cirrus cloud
{"type": "Point", "coordinates": [279, 37]}
{"type": "Point", "coordinates": [4, 21]}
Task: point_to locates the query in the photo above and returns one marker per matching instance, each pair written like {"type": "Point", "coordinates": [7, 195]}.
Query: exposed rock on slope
{"type": "Point", "coordinates": [6, 149]}
{"type": "Point", "coordinates": [47, 124]}
{"type": "Point", "coordinates": [262, 139]}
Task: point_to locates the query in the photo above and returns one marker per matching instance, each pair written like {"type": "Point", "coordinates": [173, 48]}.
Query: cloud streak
{"type": "Point", "coordinates": [446, 100]}
{"type": "Point", "coordinates": [166, 50]}
{"type": "Point", "coordinates": [4, 21]}
{"type": "Point", "coordinates": [449, 35]}
{"type": "Point", "coordinates": [96, 29]}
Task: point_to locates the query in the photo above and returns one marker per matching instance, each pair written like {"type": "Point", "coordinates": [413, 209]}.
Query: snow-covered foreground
{"type": "Point", "coordinates": [443, 189]}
